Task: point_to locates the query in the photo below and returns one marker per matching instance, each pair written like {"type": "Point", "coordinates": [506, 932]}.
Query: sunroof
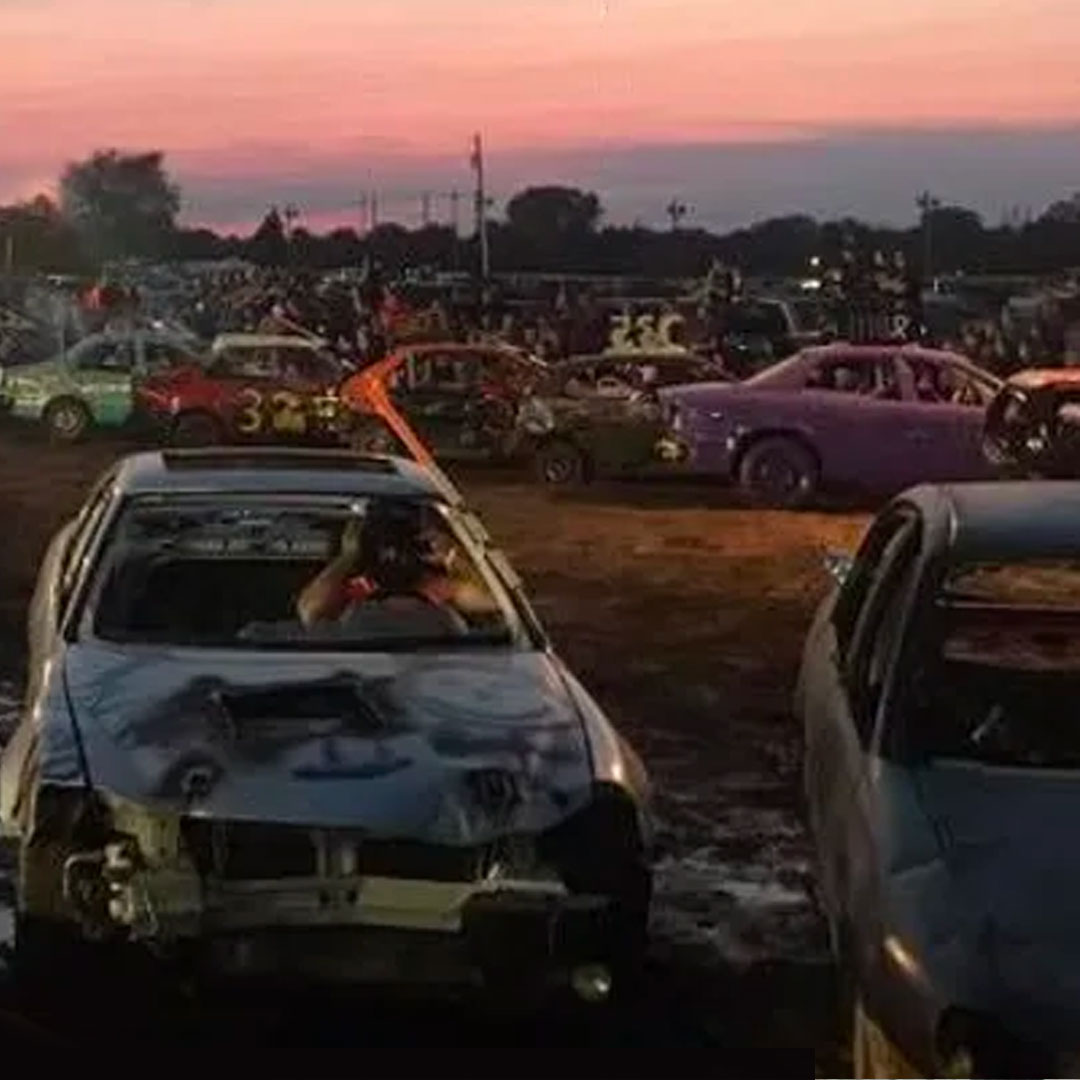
{"type": "Point", "coordinates": [301, 460]}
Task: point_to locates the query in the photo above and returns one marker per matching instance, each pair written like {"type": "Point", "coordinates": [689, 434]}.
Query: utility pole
{"type": "Point", "coordinates": [363, 204]}
{"type": "Point", "coordinates": [477, 162]}
{"type": "Point", "coordinates": [9, 256]}
{"type": "Point", "coordinates": [455, 209]}
{"type": "Point", "coordinates": [927, 204]}
{"type": "Point", "coordinates": [455, 223]}
{"type": "Point", "coordinates": [374, 202]}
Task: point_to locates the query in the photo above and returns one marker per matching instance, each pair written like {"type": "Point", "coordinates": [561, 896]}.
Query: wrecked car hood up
{"type": "Point", "coordinates": [425, 752]}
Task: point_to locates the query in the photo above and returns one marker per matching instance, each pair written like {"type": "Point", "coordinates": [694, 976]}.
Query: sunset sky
{"type": "Point", "coordinates": [741, 108]}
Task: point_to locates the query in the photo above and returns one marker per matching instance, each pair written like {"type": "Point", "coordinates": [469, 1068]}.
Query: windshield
{"type": "Point", "coordinates": [1004, 672]}
{"type": "Point", "coordinates": [785, 373]}
{"type": "Point", "coordinates": [371, 574]}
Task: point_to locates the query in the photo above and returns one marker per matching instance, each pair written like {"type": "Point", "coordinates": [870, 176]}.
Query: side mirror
{"type": "Point", "coordinates": [838, 564]}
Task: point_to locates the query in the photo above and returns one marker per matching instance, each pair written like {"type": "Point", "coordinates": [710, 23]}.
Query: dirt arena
{"type": "Point", "coordinates": [684, 613]}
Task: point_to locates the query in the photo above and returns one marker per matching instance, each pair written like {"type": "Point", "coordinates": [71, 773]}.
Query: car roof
{"type": "Point", "coordinates": [264, 341]}
{"type": "Point", "coordinates": [464, 347]}
{"type": "Point", "coordinates": [1019, 519]}
{"type": "Point", "coordinates": [629, 356]}
{"type": "Point", "coordinates": [870, 352]}
{"type": "Point", "coordinates": [278, 471]}
{"type": "Point", "coordinates": [1039, 378]}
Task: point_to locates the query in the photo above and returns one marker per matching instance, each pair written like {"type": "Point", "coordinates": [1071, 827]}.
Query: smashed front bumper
{"type": "Point", "coordinates": [341, 924]}
{"type": "Point", "coordinates": [516, 933]}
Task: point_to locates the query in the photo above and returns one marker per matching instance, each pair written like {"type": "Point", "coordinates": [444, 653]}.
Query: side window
{"type": "Point", "coordinates": [247, 364]}
{"type": "Point", "coordinates": [106, 356]}
{"type": "Point", "coordinates": [846, 375]}
{"type": "Point", "coordinates": [853, 596]}
{"type": "Point", "coordinates": [447, 373]}
{"type": "Point", "coordinates": [163, 355]}
{"type": "Point", "coordinates": [82, 539]}
{"type": "Point", "coordinates": [319, 369]}
{"type": "Point", "coordinates": [877, 632]}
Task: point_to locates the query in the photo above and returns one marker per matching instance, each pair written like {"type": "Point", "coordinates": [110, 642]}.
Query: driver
{"type": "Point", "coordinates": [390, 557]}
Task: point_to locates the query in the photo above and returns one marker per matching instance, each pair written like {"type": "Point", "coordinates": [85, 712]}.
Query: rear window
{"type": "Point", "coordinates": [1051, 583]}
{"type": "Point", "coordinates": [1002, 674]}
{"type": "Point", "coordinates": [230, 574]}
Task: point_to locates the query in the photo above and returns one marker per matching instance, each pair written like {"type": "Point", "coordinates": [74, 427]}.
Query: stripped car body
{"type": "Point", "coordinates": [937, 695]}
{"type": "Point", "coordinates": [390, 813]}
{"type": "Point", "coordinates": [462, 400]}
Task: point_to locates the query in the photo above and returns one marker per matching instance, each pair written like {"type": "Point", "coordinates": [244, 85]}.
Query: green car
{"type": "Point", "coordinates": [92, 383]}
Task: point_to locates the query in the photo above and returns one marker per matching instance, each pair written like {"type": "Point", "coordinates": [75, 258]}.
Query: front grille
{"type": "Point", "coordinates": [246, 851]}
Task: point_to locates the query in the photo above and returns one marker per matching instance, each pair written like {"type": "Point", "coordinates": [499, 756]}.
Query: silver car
{"type": "Point", "coordinates": [408, 791]}
{"type": "Point", "coordinates": [938, 696]}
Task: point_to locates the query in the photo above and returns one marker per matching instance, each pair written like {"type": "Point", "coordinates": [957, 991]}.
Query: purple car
{"type": "Point", "coordinates": [840, 417]}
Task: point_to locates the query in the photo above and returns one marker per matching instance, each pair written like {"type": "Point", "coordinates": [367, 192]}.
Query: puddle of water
{"type": "Point", "coordinates": [736, 882]}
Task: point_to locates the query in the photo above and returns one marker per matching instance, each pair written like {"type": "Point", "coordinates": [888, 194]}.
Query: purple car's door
{"type": "Point", "coordinates": [863, 443]}
{"type": "Point", "coordinates": [945, 436]}
{"type": "Point", "coordinates": [854, 405]}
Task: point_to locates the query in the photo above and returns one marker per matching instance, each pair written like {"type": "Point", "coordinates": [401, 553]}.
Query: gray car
{"type": "Point", "coordinates": [407, 793]}
{"type": "Point", "coordinates": [938, 697]}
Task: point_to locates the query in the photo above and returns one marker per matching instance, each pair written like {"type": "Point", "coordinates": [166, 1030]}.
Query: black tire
{"type": "Point", "coordinates": [67, 420]}
{"type": "Point", "coordinates": [560, 464]}
{"type": "Point", "coordinates": [195, 429]}
{"type": "Point", "coordinates": [779, 471]}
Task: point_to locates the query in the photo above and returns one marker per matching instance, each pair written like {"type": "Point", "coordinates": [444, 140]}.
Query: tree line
{"type": "Point", "coordinates": [115, 205]}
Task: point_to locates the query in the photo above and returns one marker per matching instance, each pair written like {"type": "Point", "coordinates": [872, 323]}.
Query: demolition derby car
{"type": "Point", "coordinates": [462, 400]}
{"type": "Point", "coordinates": [402, 785]}
{"type": "Point", "coordinates": [938, 696]}
{"type": "Point", "coordinates": [1032, 427]}
{"type": "Point", "coordinates": [94, 382]}
{"type": "Point", "coordinates": [254, 388]}
{"type": "Point", "coordinates": [865, 418]}
{"type": "Point", "coordinates": [599, 415]}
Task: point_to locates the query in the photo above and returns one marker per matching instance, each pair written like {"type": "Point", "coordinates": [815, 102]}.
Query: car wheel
{"type": "Point", "coordinates": [560, 464]}
{"type": "Point", "coordinates": [67, 420]}
{"type": "Point", "coordinates": [779, 472]}
{"type": "Point", "coordinates": [195, 429]}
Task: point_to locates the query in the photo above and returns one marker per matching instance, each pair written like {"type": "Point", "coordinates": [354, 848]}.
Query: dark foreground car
{"type": "Point", "coordinates": [1032, 427]}
{"type": "Point", "coordinates": [873, 419]}
{"type": "Point", "coordinates": [412, 793]}
{"type": "Point", "coordinates": [938, 696]}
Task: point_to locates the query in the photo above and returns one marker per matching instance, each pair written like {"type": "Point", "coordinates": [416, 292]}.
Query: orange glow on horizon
{"type": "Point", "coordinates": [228, 84]}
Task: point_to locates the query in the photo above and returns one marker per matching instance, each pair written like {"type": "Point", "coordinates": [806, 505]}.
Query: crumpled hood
{"type": "Point", "coordinates": [400, 745]}
{"type": "Point", "coordinates": [1010, 845]}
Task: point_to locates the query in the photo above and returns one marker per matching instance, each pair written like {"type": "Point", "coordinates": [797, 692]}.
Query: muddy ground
{"type": "Point", "coordinates": [684, 613]}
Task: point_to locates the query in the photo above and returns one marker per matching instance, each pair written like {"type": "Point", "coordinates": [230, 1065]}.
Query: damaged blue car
{"type": "Point", "coordinates": [938, 695]}
{"type": "Point", "coordinates": [290, 714]}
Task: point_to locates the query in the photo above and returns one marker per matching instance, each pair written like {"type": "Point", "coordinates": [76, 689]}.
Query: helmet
{"type": "Point", "coordinates": [393, 543]}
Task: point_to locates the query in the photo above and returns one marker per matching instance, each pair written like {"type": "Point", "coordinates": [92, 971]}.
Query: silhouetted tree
{"type": "Point", "coordinates": [1064, 212]}
{"type": "Point", "coordinates": [120, 204]}
{"type": "Point", "coordinates": [268, 245]}
{"type": "Point", "coordinates": [40, 239]}
{"type": "Point", "coordinates": [540, 212]}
